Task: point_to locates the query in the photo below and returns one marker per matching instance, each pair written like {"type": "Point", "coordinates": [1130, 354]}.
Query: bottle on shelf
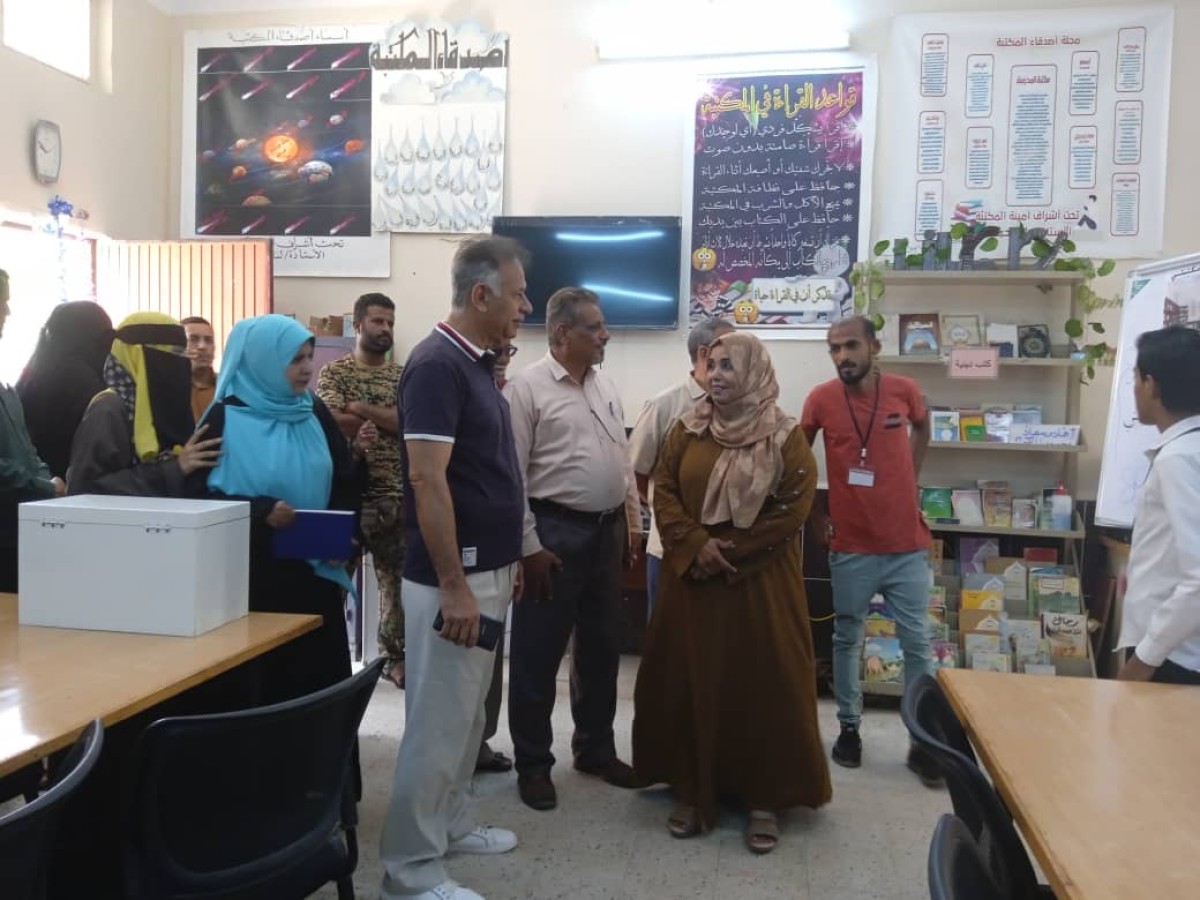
{"type": "Point", "coordinates": [1061, 507]}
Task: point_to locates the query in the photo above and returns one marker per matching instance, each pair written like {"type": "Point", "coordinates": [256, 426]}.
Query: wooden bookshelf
{"type": "Point", "coordinates": [1075, 534]}
{"type": "Point", "coordinates": [882, 688]}
{"type": "Point", "coordinates": [1043, 279]}
{"type": "Point", "coordinates": [1007, 448]}
{"type": "Point", "coordinates": [1047, 362]}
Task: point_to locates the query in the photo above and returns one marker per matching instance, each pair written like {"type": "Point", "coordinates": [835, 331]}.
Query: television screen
{"type": "Point", "coordinates": [633, 264]}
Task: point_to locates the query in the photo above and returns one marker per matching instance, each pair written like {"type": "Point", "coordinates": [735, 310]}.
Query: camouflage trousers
{"type": "Point", "coordinates": [383, 531]}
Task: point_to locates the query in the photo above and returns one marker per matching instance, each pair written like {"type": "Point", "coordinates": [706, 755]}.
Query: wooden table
{"type": "Point", "coordinates": [53, 681]}
{"type": "Point", "coordinates": [1100, 777]}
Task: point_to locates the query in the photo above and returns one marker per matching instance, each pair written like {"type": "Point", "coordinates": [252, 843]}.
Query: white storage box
{"type": "Point", "coordinates": [144, 564]}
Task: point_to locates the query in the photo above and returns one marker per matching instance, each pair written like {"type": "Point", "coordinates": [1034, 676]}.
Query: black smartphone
{"type": "Point", "coordinates": [491, 631]}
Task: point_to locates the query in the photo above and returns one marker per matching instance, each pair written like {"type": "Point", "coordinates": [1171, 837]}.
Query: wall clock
{"type": "Point", "coordinates": [47, 151]}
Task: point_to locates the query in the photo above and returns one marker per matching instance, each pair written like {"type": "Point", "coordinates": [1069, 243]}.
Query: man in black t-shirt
{"type": "Point", "coordinates": [464, 509]}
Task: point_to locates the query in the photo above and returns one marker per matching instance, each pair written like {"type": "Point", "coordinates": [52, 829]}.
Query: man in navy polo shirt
{"type": "Point", "coordinates": [464, 508]}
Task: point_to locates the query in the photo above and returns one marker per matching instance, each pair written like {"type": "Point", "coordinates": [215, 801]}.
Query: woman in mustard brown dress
{"type": "Point", "coordinates": [726, 703]}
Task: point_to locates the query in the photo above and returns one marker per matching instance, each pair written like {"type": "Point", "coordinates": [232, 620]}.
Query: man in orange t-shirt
{"type": "Point", "coordinates": [878, 539]}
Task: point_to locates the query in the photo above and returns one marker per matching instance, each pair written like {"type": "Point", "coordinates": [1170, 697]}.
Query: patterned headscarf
{"type": "Point", "coordinates": [751, 428]}
{"type": "Point", "coordinates": [147, 371]}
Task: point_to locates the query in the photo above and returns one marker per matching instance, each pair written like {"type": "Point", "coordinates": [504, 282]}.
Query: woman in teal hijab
{"type": "Point", "coordinates": [282, 451]}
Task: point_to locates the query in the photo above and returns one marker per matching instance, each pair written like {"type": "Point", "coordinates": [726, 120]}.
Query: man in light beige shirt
{"type": "Point", "coordinates": [655, 422]}
{"type": "Point", "coordinates": [583, 519]}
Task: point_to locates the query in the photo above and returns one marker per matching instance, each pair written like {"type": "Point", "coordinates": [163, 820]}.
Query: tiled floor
{"type": "Point", "coordinates": [601, 842]}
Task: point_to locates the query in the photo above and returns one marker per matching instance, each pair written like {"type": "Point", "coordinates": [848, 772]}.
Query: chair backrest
{"type": "Point", "coordinates": [227, 800]}
{"type": "Point", "coordinates": [976, 803]}
{"type": "Point", "coordinates": [27, 833]}
{"type": "Point", "coordinates": [925, 705]}
{"type": "Point", "coordinates": [957, 868]}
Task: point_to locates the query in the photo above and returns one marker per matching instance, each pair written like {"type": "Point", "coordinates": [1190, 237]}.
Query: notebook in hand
{"type": "Point", "coordinates": [316, 534]}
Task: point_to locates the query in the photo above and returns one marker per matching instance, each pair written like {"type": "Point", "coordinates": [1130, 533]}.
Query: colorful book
{"type": "Point", "coordinates": [1067, 634]}
{"type": "Point", "coordinates": [961, 331]}
{"type": "Point", "coordinates": [937, 502]}
{"type": "Point", "coordinates": [971, 426]}
{"type": "Point", "coordinates": [889, 335]}
{"type": "Point", "coordinates": [968, 508]}
{"type": "Point", "coordinates": [1042, 669]}
{"type": "Point", "coordinates": [316, 534]}
{"type": "Point", "coordinates": [1041, 554]}
{"type": "Point", "coordinates": [1024, 640]}
{"type": "Point", "coordinates": [997, 508]}
{"type": "Point", "coordinates": [1024, 512]}
{"type": "Point", "coordinates": [879, 623]}
{"type": "Point", "coordinates": [985, 621]}
{"type": "Point", "coordinates": [989, 599]}
{"type": "Point", "coordinates": [1055, 594]}
{"type": "Point", "coordinates": [945, 655]}
{"type": "Point", "coordinates": [972, 643]}
{"type": "Point", "coordinates": [1003, 337]}
{"type": "Point", "coordinates": [1027, 414]}
{"type": "Point", "coordinates": [1034, 341]}
{"type": "Point", "coordinates": [945, 425]}
{"type": "Point", "coordinates": [991, 661]}
{"type": "Point", "coordinates": [973, 553]}
{"type": "Point", "coordinates": [920, 334]}
{"type": "Point", "coordinates": [883, 661]}
{"type": "Point", "coordinates": [997, 424]}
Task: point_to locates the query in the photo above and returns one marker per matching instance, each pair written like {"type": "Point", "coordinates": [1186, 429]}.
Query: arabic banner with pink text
{"type": "Point", "coordinates": [780, 193]}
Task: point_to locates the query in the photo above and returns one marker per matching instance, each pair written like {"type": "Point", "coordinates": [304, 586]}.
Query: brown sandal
{"type": "Point", "coordinates": [684, 821]}
{"type": "Point", "coordinates": [762, 831]}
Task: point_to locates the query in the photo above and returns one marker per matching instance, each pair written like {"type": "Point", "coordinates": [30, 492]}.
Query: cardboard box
{"type": "Point", "coordinates": [326, 326]}
{"type": "Point", "coordinates": [149, 565]}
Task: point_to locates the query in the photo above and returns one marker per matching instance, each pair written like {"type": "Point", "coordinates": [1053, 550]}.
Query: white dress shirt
{"type": "Point", "coordinates": [1161, 616]}
{"type": "Point", "coordinates": [656, 419]}
{"type": "Point", "coordinates": [571, 443]}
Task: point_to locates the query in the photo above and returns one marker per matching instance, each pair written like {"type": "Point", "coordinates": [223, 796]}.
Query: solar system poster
{"type": "Point", "coordinates": [281, 147]}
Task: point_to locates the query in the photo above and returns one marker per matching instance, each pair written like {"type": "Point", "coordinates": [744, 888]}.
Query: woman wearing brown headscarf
{"type": "Point", "coordinates": [726, 704]}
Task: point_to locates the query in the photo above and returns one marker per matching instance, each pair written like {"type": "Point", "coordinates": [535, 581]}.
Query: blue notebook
{"type": "Point", "coordinates": [316, 534]}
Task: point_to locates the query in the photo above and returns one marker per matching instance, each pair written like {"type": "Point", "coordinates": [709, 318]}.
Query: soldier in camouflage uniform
{"type": "Point", "coordinates": [358, 388]}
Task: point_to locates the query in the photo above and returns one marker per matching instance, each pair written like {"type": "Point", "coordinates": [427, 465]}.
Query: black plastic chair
{"type": "Point", "coordinates": [957, 869]}
{"type": "Point", "coordinates": [249, 805]}
{"type": "Point", "coordinates": [974, 799]}
{"type": "Point", "coordinates": [925, 703]}
{"type": "Point", "coordinates": [27, 833]}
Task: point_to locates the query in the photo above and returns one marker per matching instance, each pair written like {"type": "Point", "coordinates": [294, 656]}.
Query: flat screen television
{"type": "Point", "coordinates": [632, 262]}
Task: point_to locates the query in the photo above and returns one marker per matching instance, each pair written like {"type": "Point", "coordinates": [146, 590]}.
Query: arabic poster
{"type": "Point", "coordinates": [439, 114]}
{"type": "Point", "coordinates": [278, 137]}
{"type": "Point", "coordinates": [1057, 121]}
{"type": "Point", "coordinates": [780, 194]}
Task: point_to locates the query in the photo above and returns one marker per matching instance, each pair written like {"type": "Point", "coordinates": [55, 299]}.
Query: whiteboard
{"type": "Point", "coordinates": [1155, 295]}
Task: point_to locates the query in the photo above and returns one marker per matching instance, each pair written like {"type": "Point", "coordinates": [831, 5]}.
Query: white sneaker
{"type": "Point", "coordinates": [448, 890]}
{"type": "Point", "coordinates": [484, 840]}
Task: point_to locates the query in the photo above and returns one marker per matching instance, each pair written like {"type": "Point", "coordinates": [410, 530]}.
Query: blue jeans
{"type": "Point", "coordinates": [653, 564]}
{"type": "Point", "coordinates": [903, 580]}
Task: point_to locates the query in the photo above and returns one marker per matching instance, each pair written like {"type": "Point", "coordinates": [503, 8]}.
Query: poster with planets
{"type": "Point", "coordinates": [438, 141]}
{"type": "Point", "coordinates": [779, 178]}
{"type": "Point", "coordinates": [282, 131]}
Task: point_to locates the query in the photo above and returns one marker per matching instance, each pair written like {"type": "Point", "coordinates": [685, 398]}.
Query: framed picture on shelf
{"type": "Point", "coordinates": [961, 331]}
{"type": "Point", "coordinates": [920, 334]}
{"type": "Point", "coordinates": [1034, 341]}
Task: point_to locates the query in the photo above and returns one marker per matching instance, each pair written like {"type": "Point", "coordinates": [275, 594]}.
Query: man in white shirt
{"type": "Point", "coordinates": [582, 512]}
{"type": "Point", "coordinates": [1161, 617]}
{"type": "Point", "coordinates": [655, 421]}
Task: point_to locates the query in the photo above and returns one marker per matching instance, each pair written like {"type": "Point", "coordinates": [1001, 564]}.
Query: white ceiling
{"type": "Point", "coordinates": [211, 7]}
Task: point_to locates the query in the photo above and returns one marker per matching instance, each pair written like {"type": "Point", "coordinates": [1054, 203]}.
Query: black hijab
{"type": "Point", "coordinates": [65, 372]}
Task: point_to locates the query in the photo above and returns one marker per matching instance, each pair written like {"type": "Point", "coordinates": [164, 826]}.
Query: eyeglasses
{"type": "Point", "coordinates": [508, 351]}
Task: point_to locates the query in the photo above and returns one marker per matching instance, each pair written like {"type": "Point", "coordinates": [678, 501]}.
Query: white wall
{"type": "Point", "coordinates": [586, 138]}
{"type": "Point", "coordinates": [116, 159]}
